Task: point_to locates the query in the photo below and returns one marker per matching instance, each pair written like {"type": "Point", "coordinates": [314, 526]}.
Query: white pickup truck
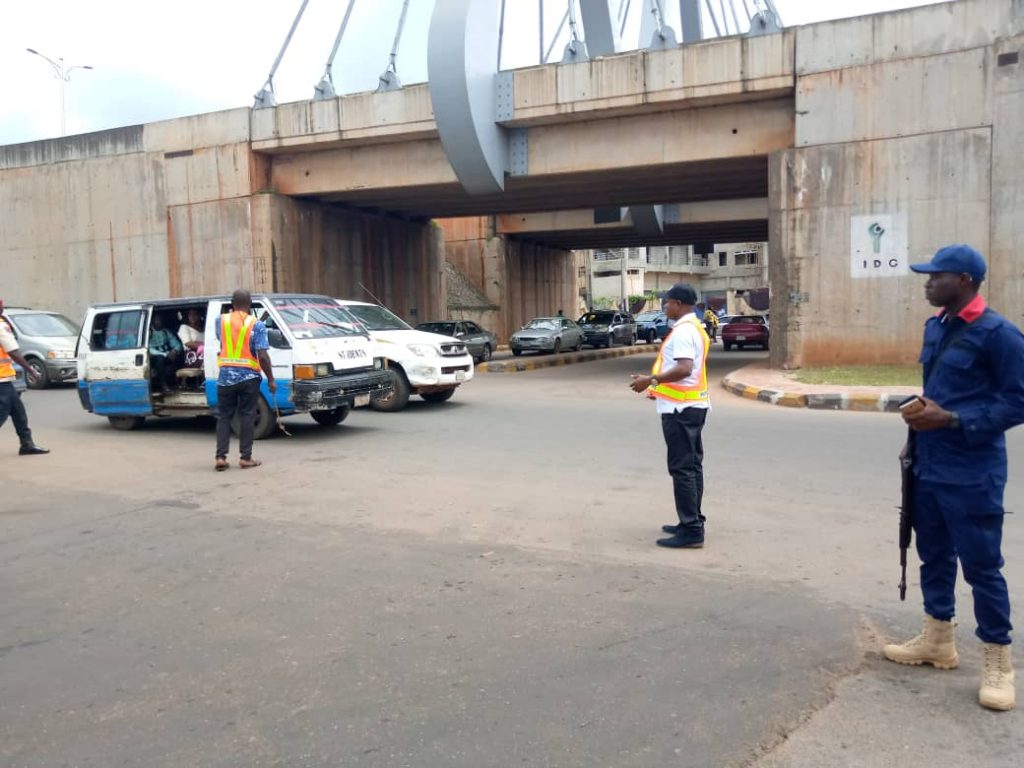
{"type": "Point", "coordinates": [427, 364]}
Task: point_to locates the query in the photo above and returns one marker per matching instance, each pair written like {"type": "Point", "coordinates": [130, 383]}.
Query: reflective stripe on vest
{"type": "Point", "coordinates": [6, 365]}
{"type": "Point", "coordinates": [235, 335]}
{"type": "Point", "coordinates": [676, 391]}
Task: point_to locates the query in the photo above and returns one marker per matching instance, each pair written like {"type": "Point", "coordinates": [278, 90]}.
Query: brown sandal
{"type": "Point", "coordinates": [221, 464]}
{"type": "Point", "coordinates": [249, 463]}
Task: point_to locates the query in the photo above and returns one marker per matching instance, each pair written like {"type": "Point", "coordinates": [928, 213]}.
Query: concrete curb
{"type": "Point", "coordinates": [537, 362]}
{"type": "Point", "coordinates": [882, 402]}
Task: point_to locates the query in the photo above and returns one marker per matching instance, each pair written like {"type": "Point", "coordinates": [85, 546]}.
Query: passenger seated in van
{"type": "Point", "coordinates": [165, 353]}
{"type": "Point", "coordinates": [191, 336]}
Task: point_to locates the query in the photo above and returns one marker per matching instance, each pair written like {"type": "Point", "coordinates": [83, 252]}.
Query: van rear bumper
{"type": "Point", "coordinates": [335, 391]}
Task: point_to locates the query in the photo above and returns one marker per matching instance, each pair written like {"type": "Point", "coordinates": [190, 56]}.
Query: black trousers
{"type": "Point", "coordinates": [237, 399]}
{"type": "Point", "coordinates": [162, 370]}
{"type": "Point", "coordinates": [682, 431]}
{"type": "Point", "coordinates": [11, 405]}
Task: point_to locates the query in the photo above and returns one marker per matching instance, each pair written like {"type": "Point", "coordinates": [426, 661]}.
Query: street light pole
{"type": "Point", "coordinates": [63, 73]}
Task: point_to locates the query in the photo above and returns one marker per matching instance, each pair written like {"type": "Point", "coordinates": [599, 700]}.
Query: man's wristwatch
{"type": "Point", "coordinates": [654, 381]}
{"type": "Point", "coordinates": [954, 420]}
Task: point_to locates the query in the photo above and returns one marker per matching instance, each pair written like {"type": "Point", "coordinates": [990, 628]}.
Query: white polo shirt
{"type": "Point", "coordinates": [685, 343]}
{"type": "Point", "coordinates": [10, 344]}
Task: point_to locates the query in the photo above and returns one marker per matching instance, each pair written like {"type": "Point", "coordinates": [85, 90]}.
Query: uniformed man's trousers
{"type": "Point", "coordinates": [11, 405]}
{"type": "Point", "coordinates": [963, 522]}
{"type": "Point", "coordinates": [682, 431]}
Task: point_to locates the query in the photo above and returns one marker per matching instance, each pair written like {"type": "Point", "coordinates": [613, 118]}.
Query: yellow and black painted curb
{"type": "Point", "coordinates": [825, 401]}
{"type": "Point", "coordinates": [536, 362]}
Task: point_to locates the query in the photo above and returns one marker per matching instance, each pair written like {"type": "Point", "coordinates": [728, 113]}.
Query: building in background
{"type": "Point", "coordinates": [733, 276]}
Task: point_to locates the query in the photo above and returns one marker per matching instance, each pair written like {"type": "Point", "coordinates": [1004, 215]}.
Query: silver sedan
{"type": "Point", "coordinates": [546, 334]}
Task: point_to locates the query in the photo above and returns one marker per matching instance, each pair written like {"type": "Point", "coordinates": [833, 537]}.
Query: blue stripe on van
{"type": "Point", "coordinates": [83, 395]}
{"type": "Point", "coordinates": [283, 397]}
{"type": "Point", "coordinates": [127, 397]}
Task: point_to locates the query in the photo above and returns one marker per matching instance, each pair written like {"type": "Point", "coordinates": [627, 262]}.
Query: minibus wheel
{"type": "Point", "coordinates": [331, 418]}
{"type": "Point", "coordinates": [265, 420]}
{"type": "Point", "coordinates": [125, 423]}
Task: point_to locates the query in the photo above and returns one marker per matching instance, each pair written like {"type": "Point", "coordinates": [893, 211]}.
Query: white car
{"type": "Point", "coordinates": [426, 364]}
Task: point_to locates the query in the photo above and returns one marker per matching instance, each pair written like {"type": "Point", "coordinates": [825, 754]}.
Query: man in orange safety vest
{"type": "Point", "coordinates": [243, 354]}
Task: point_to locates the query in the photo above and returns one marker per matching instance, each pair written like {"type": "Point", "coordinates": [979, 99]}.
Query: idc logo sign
{"type": "Point", "coordinates": [878, 245]}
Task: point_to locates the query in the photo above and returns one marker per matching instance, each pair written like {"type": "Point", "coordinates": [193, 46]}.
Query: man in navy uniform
{"type": "Point", "coordinates": [973, 366]}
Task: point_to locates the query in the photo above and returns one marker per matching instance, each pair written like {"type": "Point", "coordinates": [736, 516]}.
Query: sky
{"type": "Point", "coordinates": [156, 60]}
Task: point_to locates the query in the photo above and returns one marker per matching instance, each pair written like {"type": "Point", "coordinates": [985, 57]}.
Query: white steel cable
{"type": "Point", "coordinates": [714, 21]}
{"type": "Point", "coordinates": [266, 96]}
{"type": "Point", "coordinates": [554, 40]}
{"type": "Point", "coordinates": [327, 81]}
{"type": "Point", "coordinates": [735, 17]}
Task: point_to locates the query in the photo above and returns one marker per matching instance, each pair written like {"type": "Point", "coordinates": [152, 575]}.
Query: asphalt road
{"type": "Point", "coordinates": [473, 584]}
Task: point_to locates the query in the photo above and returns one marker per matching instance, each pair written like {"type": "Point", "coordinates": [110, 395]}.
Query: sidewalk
{"type": "Point", "coordinates": [759, 382]}
{"type": "Point", "coordinates": [534, 362]}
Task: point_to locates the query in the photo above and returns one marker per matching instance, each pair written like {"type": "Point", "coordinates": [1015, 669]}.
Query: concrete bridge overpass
{"type": "Point", "coordinates": [691, 123]}
{"type": "Point", "coordinates": [912, 118]}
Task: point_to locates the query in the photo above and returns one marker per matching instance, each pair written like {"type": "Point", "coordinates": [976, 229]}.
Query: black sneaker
{"type": "Point", "coordinates": [681, 541]}
{"type": "Point", "coordinates": [31, 449]}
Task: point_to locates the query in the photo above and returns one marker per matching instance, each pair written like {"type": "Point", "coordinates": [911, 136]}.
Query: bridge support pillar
{"type": "Point", "coordinates": [317, 248]}
{"type": "Point", "coordinates": [503, 282]}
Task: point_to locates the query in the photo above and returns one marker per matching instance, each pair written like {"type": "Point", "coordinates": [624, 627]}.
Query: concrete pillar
{"type": "Point", "coordinates": [315, 248]}
{"type": "Point", "coordinates": [518, 280]}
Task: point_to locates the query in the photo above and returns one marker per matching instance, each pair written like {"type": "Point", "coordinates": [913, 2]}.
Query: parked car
{"type": "Point", "coordinates": [607, 327]}
{"type": "Point", "coordinates": [420, 363]}
{"type": "Point", "coordinates": [547, 334]}
{"type": "Point", "coordinates": [745, 330]}
{"type": "Point", "coordinates": [47, 340]}
{"type": "Point", "coordinates": [480, 343]}
{"type": "Point", "coordinates": [651, 326]}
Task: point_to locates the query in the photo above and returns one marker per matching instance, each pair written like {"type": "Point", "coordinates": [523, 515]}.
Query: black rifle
{"type": "Point", "coordinates": [906, 509]}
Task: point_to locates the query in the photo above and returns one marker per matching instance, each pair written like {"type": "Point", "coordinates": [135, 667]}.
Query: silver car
{"type": "Point", "coordinates": [546, 334]}
{"type": "Point", "coordinates": [47, 340]}
{"type": "Point", "coordinates": [480, 342]}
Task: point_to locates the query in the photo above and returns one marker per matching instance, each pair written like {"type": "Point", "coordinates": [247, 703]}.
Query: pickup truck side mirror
{"type": "Point", "coordinates": [277, 339]}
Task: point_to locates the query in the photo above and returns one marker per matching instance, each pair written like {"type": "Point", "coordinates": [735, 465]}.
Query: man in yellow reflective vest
{"type": "Point", "coordinates": [243, 354]}
{"type": "Point", "coordinates": [679, 385]}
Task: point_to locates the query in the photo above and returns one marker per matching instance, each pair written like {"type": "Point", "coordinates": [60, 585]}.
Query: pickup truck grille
{"type": "Point", "coordinates": [454, 369]}
{"type": "Point", "coordinates": [453, 350]}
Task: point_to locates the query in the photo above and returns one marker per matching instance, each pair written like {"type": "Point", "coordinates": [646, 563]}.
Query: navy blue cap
{"type": "Point", "coordinates": [959, 259]}
{"type": "Point", "coordinates": [681, 292]}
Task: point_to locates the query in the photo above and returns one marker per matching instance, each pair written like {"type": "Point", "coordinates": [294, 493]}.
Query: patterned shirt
{"type": "Point", "coordinates": [229, 376]}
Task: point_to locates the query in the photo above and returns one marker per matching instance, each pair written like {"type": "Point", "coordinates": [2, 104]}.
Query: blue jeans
{"type": "Point", "coordinates": [965, 522]}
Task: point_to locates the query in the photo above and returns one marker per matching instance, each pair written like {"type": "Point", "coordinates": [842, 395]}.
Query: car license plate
{"type": "Point", "coordinates": [362, 400]}
{"type": "Point", "coordinates": [460, 375]}
{"type": "Point", "coordinates": [741, 338]}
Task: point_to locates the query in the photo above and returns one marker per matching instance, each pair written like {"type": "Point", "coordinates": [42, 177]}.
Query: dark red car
{"type": "Point", "coordinates": [745, 330]}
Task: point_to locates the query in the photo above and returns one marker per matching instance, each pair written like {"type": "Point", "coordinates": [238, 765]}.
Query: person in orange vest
{"type": "Point", "coordinates": [10, 398]}
{"type": "Point", "coordinates": [243, 353]}
{"type": "Point", "coordinates": [679, 385]}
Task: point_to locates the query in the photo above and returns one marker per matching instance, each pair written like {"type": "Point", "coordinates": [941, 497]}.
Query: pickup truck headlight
{"type": "Point", "coordinates": [423, 350]}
